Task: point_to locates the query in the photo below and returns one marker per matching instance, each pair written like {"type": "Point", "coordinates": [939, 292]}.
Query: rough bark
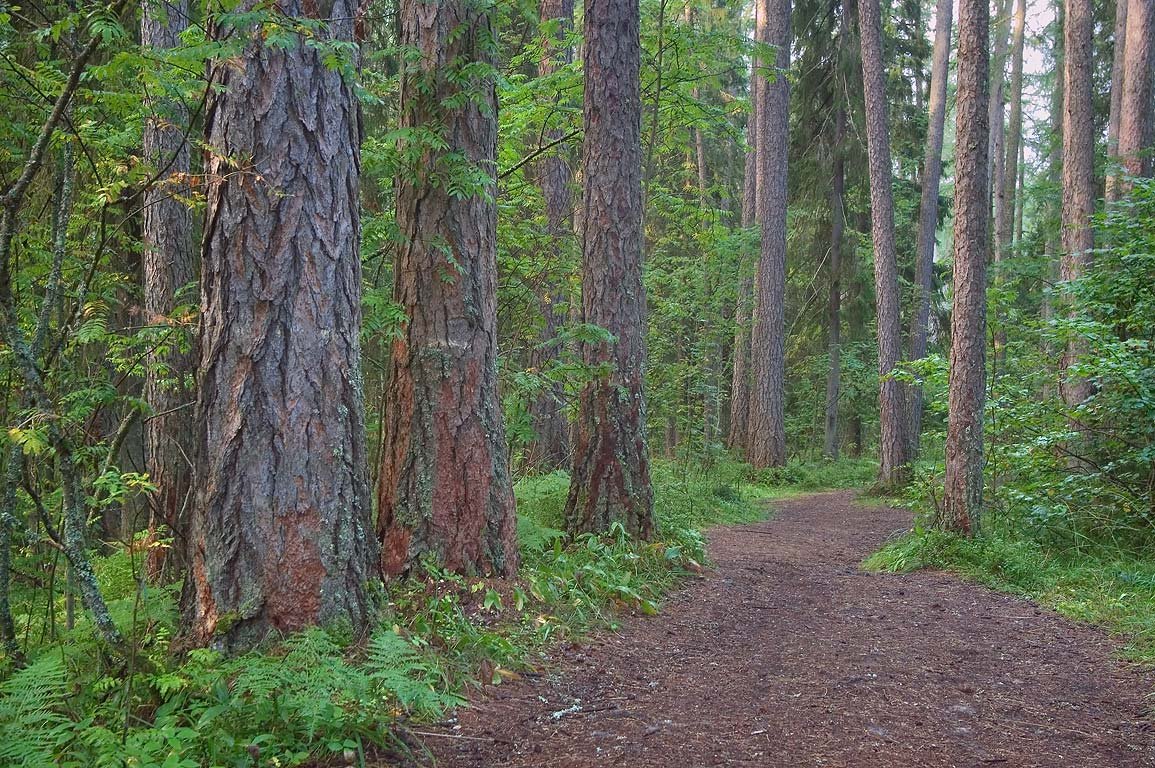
{"type": "Point", "coordinates": [767, 429]}
{"type": "Point", "coordinates": [892, 411]}
{"type": "Point", "coordinates": [1136, 111]}
{"type": "Point", "coordinates": [928, 206]}
{"type": "Point", "coordinates": [1115, 113]}
{"type": "Point", "coordinates": [1078, 173]}
{"type": "Point", "coordinates": [962, 499]}
{"type": "Point", "coordinates": [549, 449]}
{"type": "Point", "coordinates": [169, 262]}
{"type": "Point", "coordinates": [611, 474]}
{"type": "Point", "coordinates": [445, 489]}
{"type": "Point", "coordinates": [280, 530]}
{"type": "Point", "coordinates": [740, 385]}
{"type": "Point", "coordinates": [834, 299]}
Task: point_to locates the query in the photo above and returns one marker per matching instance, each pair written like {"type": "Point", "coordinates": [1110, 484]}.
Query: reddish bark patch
{"type": "Point", "coordinates": [789, 655]}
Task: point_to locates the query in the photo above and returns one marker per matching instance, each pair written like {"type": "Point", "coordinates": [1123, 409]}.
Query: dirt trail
{"type": "Point", "coordinates": [788, 655]}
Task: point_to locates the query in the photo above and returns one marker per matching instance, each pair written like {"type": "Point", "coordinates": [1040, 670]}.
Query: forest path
{"type": "Point", "coordinates": [787, 654]}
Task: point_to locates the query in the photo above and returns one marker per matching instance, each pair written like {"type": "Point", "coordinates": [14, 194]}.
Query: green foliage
{"type": "Point", "coordinates": [315, 695]}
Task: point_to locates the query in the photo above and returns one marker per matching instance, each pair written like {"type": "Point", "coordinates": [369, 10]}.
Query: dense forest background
{"type": "Point", "coordinates": [446, 326]}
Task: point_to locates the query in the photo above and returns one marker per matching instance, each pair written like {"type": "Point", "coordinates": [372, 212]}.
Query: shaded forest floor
{"type": "Point", "coordinates": [786, 653]}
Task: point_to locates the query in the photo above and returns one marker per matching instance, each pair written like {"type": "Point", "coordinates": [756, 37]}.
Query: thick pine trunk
{"type": "Point", "coordinates": [550, 447]}
{"type": "Point", "coordinates": [928, 206]}
{"type": "Point", "coordinates": [1115, 113]}
{"type": "Point", "coordinates": [445, 491]}
{"type": "Point", "coordinates": [767, 428]}
{"type": "Point", "coordinates": [1078, 173]}
{"type": "Point", "coordinates": [740, 384]}
{"type": "Point", "coordinates": [1135, 122]}
{"type": "Point", "coordinates": [962, 499]}
{"type": "Point", "coordinates": [892, 410]}
{"type": "Point", "coordinates": [611, 473]}
{"type": "Point", "coordinates": [169, 263]}
{"type": "Point", "coordinates": [281, 535]}
{"type": "Point", "coordinates": [834, 298]}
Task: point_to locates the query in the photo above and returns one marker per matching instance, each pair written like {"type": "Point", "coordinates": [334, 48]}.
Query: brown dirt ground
{"type": "Point", "coordinates": [787, 654]}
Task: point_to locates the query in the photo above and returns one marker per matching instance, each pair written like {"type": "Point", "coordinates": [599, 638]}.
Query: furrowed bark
{"type": "Point", "coordinates": [892, 471]}
{"type": "Point", "coordinates": [610, 481]}
{"type": "Point", "coordinates": [280, 531]}
{"type": "Point", "coordinates": [767, 428]}
{"type": "Point", "coordinates": [962, 499]}
{"type": "Point", "coordinates": [445, 491]}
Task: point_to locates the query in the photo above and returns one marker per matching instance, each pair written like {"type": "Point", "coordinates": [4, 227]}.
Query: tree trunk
{"type": "Point", "coordinates": [611, 474]}
{"type": "Point", "coordinates": [928, 206]}
{"type": "Point", "coordinates": [767, 429]}
{"type": "Point", "coordinates": [550, 447]}
{"type": "Point", "coordinates": [169, 265]}
{"type": "Point", "coordinates": [1135, 122]}
{"type": "Point", "coordinates": [445, 491]}
{"type": "Point", "coordinates": [1078, 173]}
{"type": "Point", "coordinates": [891, 401]}
{"type": "Point", "coordinates": [740, 385]}
{"type": "Point", "coordinates": [1005, 223]}
{"type": "Point", "coordinates": [280, 532]}
{"type": "Point", "coordinates": [996, 116]}
{"type": "Point", "coordinates": [1115, 114]}
{"type": "Point", "coordinates": [834, 301]}
{"type": "Point", "coordinates": [962, 499]}
{"type": "Point", "coordinates": [1052, 243]}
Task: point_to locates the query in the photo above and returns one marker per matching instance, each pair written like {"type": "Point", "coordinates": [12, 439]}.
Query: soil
{"type": "Point", "coordinates": [787, 654]}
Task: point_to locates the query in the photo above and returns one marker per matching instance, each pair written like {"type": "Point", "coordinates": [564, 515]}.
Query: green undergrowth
{"type": "Point", "coordinates": [1098, 584]}
{"type": "Point", "coordinates": [323, 697]}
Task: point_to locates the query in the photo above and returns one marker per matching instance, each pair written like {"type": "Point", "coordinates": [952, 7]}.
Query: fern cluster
{"type": "Point", "coordinates": [317, 695]}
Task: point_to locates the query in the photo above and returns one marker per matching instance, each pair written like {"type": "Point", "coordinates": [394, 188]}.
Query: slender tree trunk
{"type": "Point", "coordinates": [928, 206]}
{"type": "Point", "coordinates": [834, 301]}
{"type": "Point", "coordinates": [891, 400]}
{"type": "Point", "coordinates": [13, 464]}
{"type": "Point", "coordinates": [1078, 173]}
{"type": "Point", "coordinates": [1005, 209]}
{"type": "Point", "coordinates": [611, 474]}
{"type": "Point", "coordinates": [169, 265]}
{"type": "Point", "coordinates": [740, 385]}
{"type": "Point", "coordinates": [550, 447]}
{"type": "Point", "coordinates": [1114, 116]}
{"type": "Point", "coordinates": [1053, 243]}
{"type": "Point", "coordinates": [1136, 119]}
{"type": "Point", "coordinates": [767, 430]}
{"type": "Point", "coordinates": [962, 499]}
{"type": "Point", "coordinates": [280, 531]}
{"type": "Point", "coordinates": [445, 491]}
{"type": "Point", "coordinates": [996, 117]}
{"type": "Point", "coordinates": [1014, 126]}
